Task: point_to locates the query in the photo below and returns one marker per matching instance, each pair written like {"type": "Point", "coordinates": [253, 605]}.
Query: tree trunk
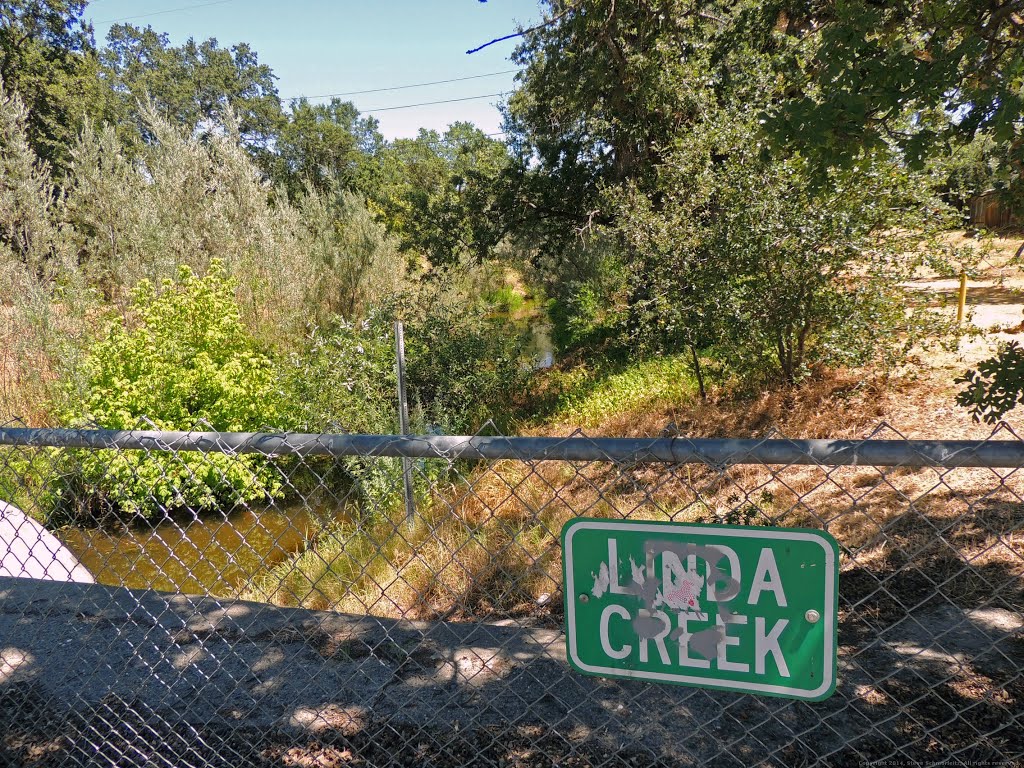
{"type": "Point", "coordinates": [698, 372]}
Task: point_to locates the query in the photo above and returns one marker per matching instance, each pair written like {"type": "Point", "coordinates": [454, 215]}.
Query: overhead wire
{"type": "Point", "coordinates": [403, 87]}
{"type": "Point", "coordinates": [350, 93]}
{"type": "Point", "coordinates": [430, 103]}
{"type": "Point", "coordinates": [161, 13]}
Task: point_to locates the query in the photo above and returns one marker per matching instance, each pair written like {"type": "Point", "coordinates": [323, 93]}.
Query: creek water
{"type": "Point", "coordinates": [219, 554]}
{"type": "Point", "coordinates": [211, 555]}
{"type": "Point", "coordinates": [540, 347]}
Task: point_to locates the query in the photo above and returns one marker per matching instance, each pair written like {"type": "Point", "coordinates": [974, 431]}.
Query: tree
{"type": "Point", "coordinates": [186, 199]}
{"type": "Point", "coordinates": [607, 88]}
{"type": "Point", "coordinates": [637, 122]}
{"type": "Point", "coordinates": [329, 144]}
{"type": "Point", "coordinates": [596, 106]}
{"type": "Point", "coordinates": [194, 85]}
{"type": "Point", "coordinates": [47, 57]}
{"type": "Point", "coordinates": [857, 67]}
{"type": "Point", "coordinates": [37, 272]}
{"type": "Point", "coordinates": [968, 170]}
{"type": "Point", "coordinates": [440, 193]}
{"type": "Point", "coordinates": [752, 261]}
{"type": "Point", "coordinates": [358, 261]}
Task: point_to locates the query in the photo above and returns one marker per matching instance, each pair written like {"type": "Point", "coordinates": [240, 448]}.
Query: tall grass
{"type": "Point", "coordinates": [43, 303]}
{"type": "Point", "coordinates": [586, 397]}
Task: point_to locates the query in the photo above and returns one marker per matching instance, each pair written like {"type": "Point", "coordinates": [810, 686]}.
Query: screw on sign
{"type": "Point", "coordinates": [729, 607]}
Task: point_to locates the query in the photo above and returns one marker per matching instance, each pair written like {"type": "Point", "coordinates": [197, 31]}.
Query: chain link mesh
{"type": "Point", "coordinates": [264, 601]}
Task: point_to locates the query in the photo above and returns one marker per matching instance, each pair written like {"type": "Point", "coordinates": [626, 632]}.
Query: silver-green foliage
{"type": "Point", "coordinates": [182, 201]}
{"type": "Point", "coordinates": [355, 260]}
{"type": "Point", "coordinates": [43, 304]}
{"type": "Point", "coordinates": [185, 200]}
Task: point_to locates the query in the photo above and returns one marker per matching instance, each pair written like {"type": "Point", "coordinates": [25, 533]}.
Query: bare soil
{"type": "Point", "coordinates": [95, 676]}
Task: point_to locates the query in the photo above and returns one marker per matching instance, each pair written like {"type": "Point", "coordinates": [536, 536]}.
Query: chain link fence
{"type": "Point", "coordinates": [209, 599]}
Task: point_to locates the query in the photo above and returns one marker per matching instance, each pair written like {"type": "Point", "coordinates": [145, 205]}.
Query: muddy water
{"type": "Point", "coordinates": [210, 556]}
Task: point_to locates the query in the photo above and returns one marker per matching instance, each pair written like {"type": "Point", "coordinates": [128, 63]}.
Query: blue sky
{"type": "Point", "coordinates": [322, 47]}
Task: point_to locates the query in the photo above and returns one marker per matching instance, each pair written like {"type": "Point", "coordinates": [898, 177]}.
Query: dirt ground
{"type": "Point", "coordinates": [95, 676]}
{"type": "Point", "coordinates": [923, 389]}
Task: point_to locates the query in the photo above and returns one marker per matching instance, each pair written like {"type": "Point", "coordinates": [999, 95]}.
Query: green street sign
{"type": "Point", "coordinates": [729, 607]}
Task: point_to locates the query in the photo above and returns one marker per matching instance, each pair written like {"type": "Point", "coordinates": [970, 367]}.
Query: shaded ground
{"type": "Point", "coordinates": [91, 675]}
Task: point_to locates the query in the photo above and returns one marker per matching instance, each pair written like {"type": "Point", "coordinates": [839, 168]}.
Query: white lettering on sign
{"type": "Point", "coordinates": [673, 573]}
{"type": "Point", "coordinates": [765, 644]}
{"type": "Point", "coordinates": [728, 641]}
{"type": "Point", "coordinates": [606, 644]}
{"type": "Point", "coordinates": [703, 606]}
{"type": "Point", "coordinates": [613, 567]}
{"type": "Point", "coordinates": [685, 660]}
{"type": "Point", "coordinates": [734, 573]}
{"type": "Point", "coordinates": [658, 639]}
{"type": "Point", "coordinates": [680, 591]}
{"type": "Point", "coordinates": [766, 578]}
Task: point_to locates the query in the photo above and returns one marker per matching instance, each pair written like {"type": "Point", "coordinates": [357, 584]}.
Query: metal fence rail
{"type": "Point", "coordinates": [262, 599]}
{"type": "Point", "coordinates": [678, 450]}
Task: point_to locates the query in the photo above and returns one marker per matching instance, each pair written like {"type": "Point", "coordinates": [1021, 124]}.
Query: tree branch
{"type": "Point", "coordinates": [522, 32]}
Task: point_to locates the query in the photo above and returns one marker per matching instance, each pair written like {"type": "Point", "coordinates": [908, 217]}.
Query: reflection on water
{"type": "Point", "coordinates": [540, 347]}
{"type": "Point", "coordinates": [209, 556]}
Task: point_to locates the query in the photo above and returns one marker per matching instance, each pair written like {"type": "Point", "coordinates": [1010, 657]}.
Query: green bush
{"type": "Point", "coordinates": [464, 368]}
{"type": "Point", "coordinates": [185, 362]}
{"type": "Point", "coordinates": [774, 270]}
{"type": "Point", "coordinates": [996, 387]}
{"type": "Point", "coordinates": [343, 380]}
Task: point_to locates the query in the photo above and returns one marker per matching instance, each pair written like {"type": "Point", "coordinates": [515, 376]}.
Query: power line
{"type": "Point", "coordinates": [429, 103]}
{"type": "Point", "coordinates": [403, 87]}
{"type": "Point", "coordinates": [160, 13]}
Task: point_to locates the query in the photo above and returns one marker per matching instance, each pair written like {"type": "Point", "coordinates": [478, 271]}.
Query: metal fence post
{"type": "Point", "coordinates": [961, 298]}
{"type": "Point", "coordinates": [403, 420]}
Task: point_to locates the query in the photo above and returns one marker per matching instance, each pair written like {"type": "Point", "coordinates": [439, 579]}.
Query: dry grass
{"type": "Point", "coordinates": [493, 549]}
{"type": "Point", "coordinates": [26, 372]}
{"type": "Point", "coordinates": [488, 545]}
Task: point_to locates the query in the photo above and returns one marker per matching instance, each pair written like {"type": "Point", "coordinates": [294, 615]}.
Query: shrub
{"type": "Point", "coordinates": [344, 381]}
{"type": "Point", "coordinates": [505, 300]}
{"type": "Point", "coordinates": [357, 262]}
{"type": "Point", "coordinates": [464, 368]}
{"type": "Point", "coordinates": [996, 387]}
{"type": "Point", "coordinates": [588, 291]}
{"type": "Point", "coordinates": [186, 361]}
{"type": "Point", "coordinates": [42, 305]}
{"type": "Point", "coordinates": [186, 199]}
{"type": "Point", "coordinates": [774, 269]}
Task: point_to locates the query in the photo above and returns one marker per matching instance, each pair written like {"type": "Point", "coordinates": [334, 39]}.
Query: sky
{"type": "Point", "coordinates": [318, 47]}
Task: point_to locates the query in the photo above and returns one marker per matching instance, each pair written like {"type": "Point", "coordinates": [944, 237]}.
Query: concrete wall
{"type": "Point", "coordinates": [28, 550]}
